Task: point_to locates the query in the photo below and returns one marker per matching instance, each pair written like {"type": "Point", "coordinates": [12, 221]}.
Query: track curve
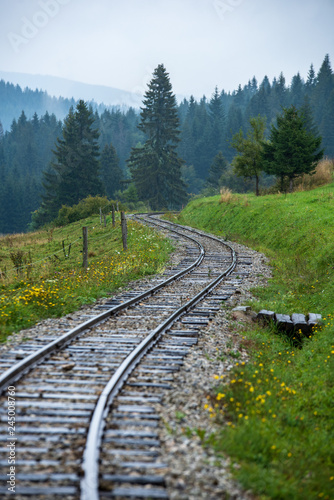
{"type": "Point", "coordinates": [68, 394]}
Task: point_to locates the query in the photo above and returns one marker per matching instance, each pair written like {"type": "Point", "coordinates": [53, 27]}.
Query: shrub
{"type": "Point", "coordinates": [85, 208]}
{"type": "Point", "coordinates": [323, 175]}
{"type": "Point", "coordinates": [226, 195]}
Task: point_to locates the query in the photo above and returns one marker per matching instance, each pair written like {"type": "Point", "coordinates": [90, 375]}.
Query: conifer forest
{"type": "Point", "coordinates": [193, 148]}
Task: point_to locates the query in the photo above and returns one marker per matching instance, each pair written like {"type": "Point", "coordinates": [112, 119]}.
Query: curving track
{"type": "Point", "coordinates": [87, 404]}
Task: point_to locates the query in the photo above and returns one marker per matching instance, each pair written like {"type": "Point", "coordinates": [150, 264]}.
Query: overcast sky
{"type": "Point", "coordinates": [202, 43]}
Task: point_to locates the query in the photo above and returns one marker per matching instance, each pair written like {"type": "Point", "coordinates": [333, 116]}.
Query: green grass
{"type": "Point", "coordinates": [276, 412]}
{"type": "Point", "coordinates": [51, 281]}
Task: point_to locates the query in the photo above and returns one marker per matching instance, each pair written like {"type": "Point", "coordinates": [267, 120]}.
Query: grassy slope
{"type": "Point", "coordinates": [277, 411]}
{"type": "Point", "coordinates": [57, 285]}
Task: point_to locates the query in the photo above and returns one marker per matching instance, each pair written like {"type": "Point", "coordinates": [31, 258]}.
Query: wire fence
{"type": "Point", "coordinates": [23, 262]}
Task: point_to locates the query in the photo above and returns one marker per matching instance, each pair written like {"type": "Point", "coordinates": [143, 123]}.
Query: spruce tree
{"type": "Point", "coordinates": [202, 133]}
{"type": "Point", "coordinates": [311, 79]}
{"type": "Point", "coordinates": [155, 166]}
{"type": "Point", "coordinates": [297, 91]}
{"type": "Point", "coordinates": [280, 88]}
{"type": "Point", "coordinates": [322, 89]}
{"type": "Point", "coordinates": [327, 126]}
{"type": "Point", "coordinates": [260, 102]}
{"type": "Point", "coordinates": [217, 116]}
{"type": "Point", "coordinates": [239, 97]}
{"type": "Point", "coordinates": [217, 169]}
{"type": "Point", "coordinates": [111, 172]}
{"type": "Point", "coordinates": [254, 87]}
{"type": "Point", "coordinates": [307, 114]}
{"type": "Point", "coordinates": [74, 172]}
{"type": "Point", "coordinates": [291, 150]}
{"type": "Point", "coordinates": [234, 123]}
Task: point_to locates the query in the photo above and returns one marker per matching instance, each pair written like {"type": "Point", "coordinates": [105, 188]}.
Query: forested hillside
{"type": "Point", "coordinates": [27, 150]}
{"type": "Point", "coordinates": [14, 100]}
{"type": "Point", "coordinates": [208, 126]}
{"type": "Point", "coordinates": [206, 130]}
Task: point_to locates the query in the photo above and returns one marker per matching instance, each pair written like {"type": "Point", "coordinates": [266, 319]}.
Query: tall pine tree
{"type": "Point", "coordinates": [156, 167]}
{"type": "Point", "coordinates": [74, 172]}
{"type": "Point", "coordinates": [217, 116]}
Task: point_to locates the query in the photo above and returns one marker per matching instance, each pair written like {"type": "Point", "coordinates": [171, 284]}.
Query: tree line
{"type": "Point", "coordinates": [208, 126]}
{"type": "Point", "coordinates": [201, 149]}
{"type": "Point", "coordinates": [293, 148]}
{"type": "Point", "coordinates": [14, 99]}
{"type": "Point", "coordinates": [27, 152]}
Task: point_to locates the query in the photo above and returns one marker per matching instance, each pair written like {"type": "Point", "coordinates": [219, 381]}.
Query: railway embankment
{"type": "Point", "coordinates": [274, 412]}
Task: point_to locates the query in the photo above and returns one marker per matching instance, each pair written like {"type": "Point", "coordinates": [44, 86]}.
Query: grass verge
{"type": "Point", "coordinates": [276, 412]}
{"type": "Point", "coordinates": [42, 274]}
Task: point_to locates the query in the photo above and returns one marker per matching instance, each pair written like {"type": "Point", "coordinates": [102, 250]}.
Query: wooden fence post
{"type": "Point", "coordinates": [113, 216]}
{"type": "Point", "coordinates": [100, 215]}
{"type": "Point", "coordinates": [124, 231]}
{"type": "Point", "coordinates": [85, 247]}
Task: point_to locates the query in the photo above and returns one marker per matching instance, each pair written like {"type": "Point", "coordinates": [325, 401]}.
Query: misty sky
{"type": "Point", "coordinates": [202, 43]}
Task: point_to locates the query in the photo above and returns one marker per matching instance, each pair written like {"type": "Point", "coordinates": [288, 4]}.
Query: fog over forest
{"type": "Point", "coordinates": [32, 121]}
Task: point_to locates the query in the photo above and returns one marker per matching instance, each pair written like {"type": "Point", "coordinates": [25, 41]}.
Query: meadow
{"type": "Point", "coordinates": [275, 413]}
{"type": "Point", "coordinates": [41, 273]}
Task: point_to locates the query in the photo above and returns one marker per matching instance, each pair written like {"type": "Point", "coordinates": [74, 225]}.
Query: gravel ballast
{"type": "Point", "coordinates": [194, 472]}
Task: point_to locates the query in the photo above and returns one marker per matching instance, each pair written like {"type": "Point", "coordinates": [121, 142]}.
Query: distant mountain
{"type": "Point", "coordinates": [37, 93]}
{"type": "Point", "coordinates": [61, 87]}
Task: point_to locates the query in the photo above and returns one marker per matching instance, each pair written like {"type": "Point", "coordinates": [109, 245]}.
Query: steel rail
{"type": "Point", "coordinates": [22, 367]}
{"type": "Point", "coordinates": [190, 229]}
{"type": "Point", "coordinates": [90, 465]}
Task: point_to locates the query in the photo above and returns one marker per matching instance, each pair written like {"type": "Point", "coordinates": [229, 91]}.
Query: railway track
{"type": "Point", "coordinates": [87, 403]}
